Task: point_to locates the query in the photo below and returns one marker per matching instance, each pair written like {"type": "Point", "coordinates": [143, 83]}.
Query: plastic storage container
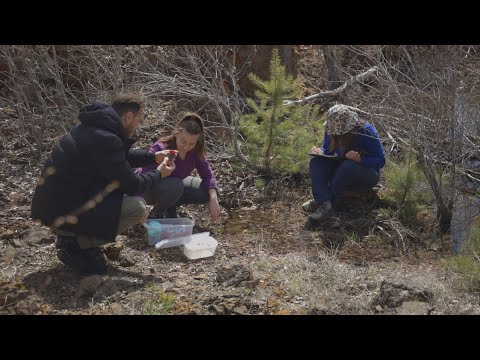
{"type": "Point", "coordinates": [160, 229]}
{"type": "Point", "coordinates": [199, 247]}
{"type": "Point", "coordinates": [168, 243]}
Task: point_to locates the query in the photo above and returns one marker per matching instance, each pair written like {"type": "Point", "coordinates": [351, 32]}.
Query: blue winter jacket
{"type": "Point", "coordinates": [367, 144]}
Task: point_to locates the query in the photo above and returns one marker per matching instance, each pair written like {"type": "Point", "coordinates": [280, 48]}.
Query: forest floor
{"type": "Point", "coordinates": [269, 260]}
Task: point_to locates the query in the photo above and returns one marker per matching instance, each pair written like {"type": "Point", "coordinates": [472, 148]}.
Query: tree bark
{"type": "Point", "coordinates": [332, 67]}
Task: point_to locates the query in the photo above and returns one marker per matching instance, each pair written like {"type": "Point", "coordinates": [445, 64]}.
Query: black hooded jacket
{"type": "Point", "coordinates": [93, 155]}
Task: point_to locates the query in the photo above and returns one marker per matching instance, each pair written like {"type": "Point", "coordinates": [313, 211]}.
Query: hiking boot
{"type": "Point", "coordinates": [84, 262]}
{"type": "Point", "coordinates": [323, 212]}
{"type": "Point", "coordinates": [310, 206]}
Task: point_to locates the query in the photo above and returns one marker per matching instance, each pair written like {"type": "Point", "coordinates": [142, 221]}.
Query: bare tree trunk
{"type": "Point", "coordinates": [332, 67]}
{"type": "Point", "coordinates": [444, 215]}
{"type": "Point", "coordinates": [286, 53]}
{"type": "Point", "coordinates": [270, 141]}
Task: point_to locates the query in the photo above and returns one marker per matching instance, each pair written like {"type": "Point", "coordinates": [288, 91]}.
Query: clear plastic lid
{"type": "Point", "coordinates": [167, 243]}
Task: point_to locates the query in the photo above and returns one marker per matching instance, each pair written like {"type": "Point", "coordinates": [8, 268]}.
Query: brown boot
{"type": "Point", "coordinates": [84, 262]}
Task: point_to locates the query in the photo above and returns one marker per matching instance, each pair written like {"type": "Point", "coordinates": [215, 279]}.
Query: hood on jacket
{"type": "Point", "coordinates": [101, 115]}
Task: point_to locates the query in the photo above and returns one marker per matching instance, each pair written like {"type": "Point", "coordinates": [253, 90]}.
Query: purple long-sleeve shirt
{"type": "Point", "coordinates": [184, 167]}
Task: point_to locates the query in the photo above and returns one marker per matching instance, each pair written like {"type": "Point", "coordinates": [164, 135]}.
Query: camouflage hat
{"type": "Point", "coordinates": [340, 120]}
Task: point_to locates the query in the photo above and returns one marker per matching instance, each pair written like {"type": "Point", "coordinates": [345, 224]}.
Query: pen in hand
{"type": "Point", "coordinates": [316, 149]}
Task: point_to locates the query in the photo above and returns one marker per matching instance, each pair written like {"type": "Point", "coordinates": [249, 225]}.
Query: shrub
{"type": "Point", "coordinates": [278, 137]}
{"type": "Point", "coordinates": [407, 190]}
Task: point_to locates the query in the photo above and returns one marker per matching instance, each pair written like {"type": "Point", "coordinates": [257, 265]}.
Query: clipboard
{"type": "Point", "coordinates": [331, 157]}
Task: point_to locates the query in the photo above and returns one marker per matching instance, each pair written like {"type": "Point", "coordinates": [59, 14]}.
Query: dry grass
{"type": "Point", "coordinates": [322, 282]}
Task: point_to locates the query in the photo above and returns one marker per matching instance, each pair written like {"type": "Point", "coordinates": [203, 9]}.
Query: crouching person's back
{"type": "Point", "coordinates": [87, 190]}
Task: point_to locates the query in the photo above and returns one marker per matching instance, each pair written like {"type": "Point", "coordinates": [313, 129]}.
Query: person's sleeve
{"type": "Point", "coordinates": [326, 144]}
{"type": "Point", "coordinates": [151, 164]}
{"type": "Point", "coordinates": [205, 172]}
{"type": "Point", "coordinates": [107, 154]}
{"type": "Point", "coordinates": [156, 147]}
{"type": "Point", "coordinates": [139, 158]}
{"type": "Point", "coordinates": [376, 155]}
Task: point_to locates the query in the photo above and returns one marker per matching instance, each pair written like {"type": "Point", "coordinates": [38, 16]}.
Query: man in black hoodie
{"type": "Point", "coordinates": [86, 193]}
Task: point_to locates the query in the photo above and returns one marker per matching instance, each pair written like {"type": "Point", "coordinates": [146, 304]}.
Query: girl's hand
{"type": "Point", "coordinates": [160, 155]}
{"type": "Point", "coordinates": [316, 150]}
{"type": "Point", "coordinates": [214, 209]}
{"type": "Point", "coordinates": [353, 155]}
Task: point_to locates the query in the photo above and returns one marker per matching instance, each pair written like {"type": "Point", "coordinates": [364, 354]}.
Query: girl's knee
{"type": "Point", "coordinates": [192, 182]}
{"type": "Point", "coordinates": [316, 163]}
{"type": "Point", "coordinates": [348, 167]}
{"type": "Point", "coordinates": [177, 185]}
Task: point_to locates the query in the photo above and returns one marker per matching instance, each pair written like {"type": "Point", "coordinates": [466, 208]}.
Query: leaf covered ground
{"type": "Point", "coordinates": [269, 260]}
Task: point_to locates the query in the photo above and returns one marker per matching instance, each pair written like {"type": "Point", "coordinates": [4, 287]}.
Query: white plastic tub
{"type": "Point", "coordinates": [198, 247]}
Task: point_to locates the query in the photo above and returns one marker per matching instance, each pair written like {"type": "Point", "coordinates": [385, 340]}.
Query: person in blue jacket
{"type": "Point", "coordinates": [358, 158]}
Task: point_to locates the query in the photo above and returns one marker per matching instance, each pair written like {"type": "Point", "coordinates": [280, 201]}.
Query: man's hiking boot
{"type": "Point", "coordinates": [323, 212]}
{"type": "Point", "coordinates": [84, 262]}
{"type": "Point", "coordinates": [310, 206]}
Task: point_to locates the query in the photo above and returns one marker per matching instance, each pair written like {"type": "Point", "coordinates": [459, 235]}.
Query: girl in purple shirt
{"type": "Point", "coordinates": [188, 142]}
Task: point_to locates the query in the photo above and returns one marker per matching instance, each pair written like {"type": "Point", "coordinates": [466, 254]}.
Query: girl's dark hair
{"type": "Point", "coordinates": [125, 102]}
{"type": "Point", "coordinates": [193, 124]}
{"type": "Point", "coordinates": [346, 142]}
